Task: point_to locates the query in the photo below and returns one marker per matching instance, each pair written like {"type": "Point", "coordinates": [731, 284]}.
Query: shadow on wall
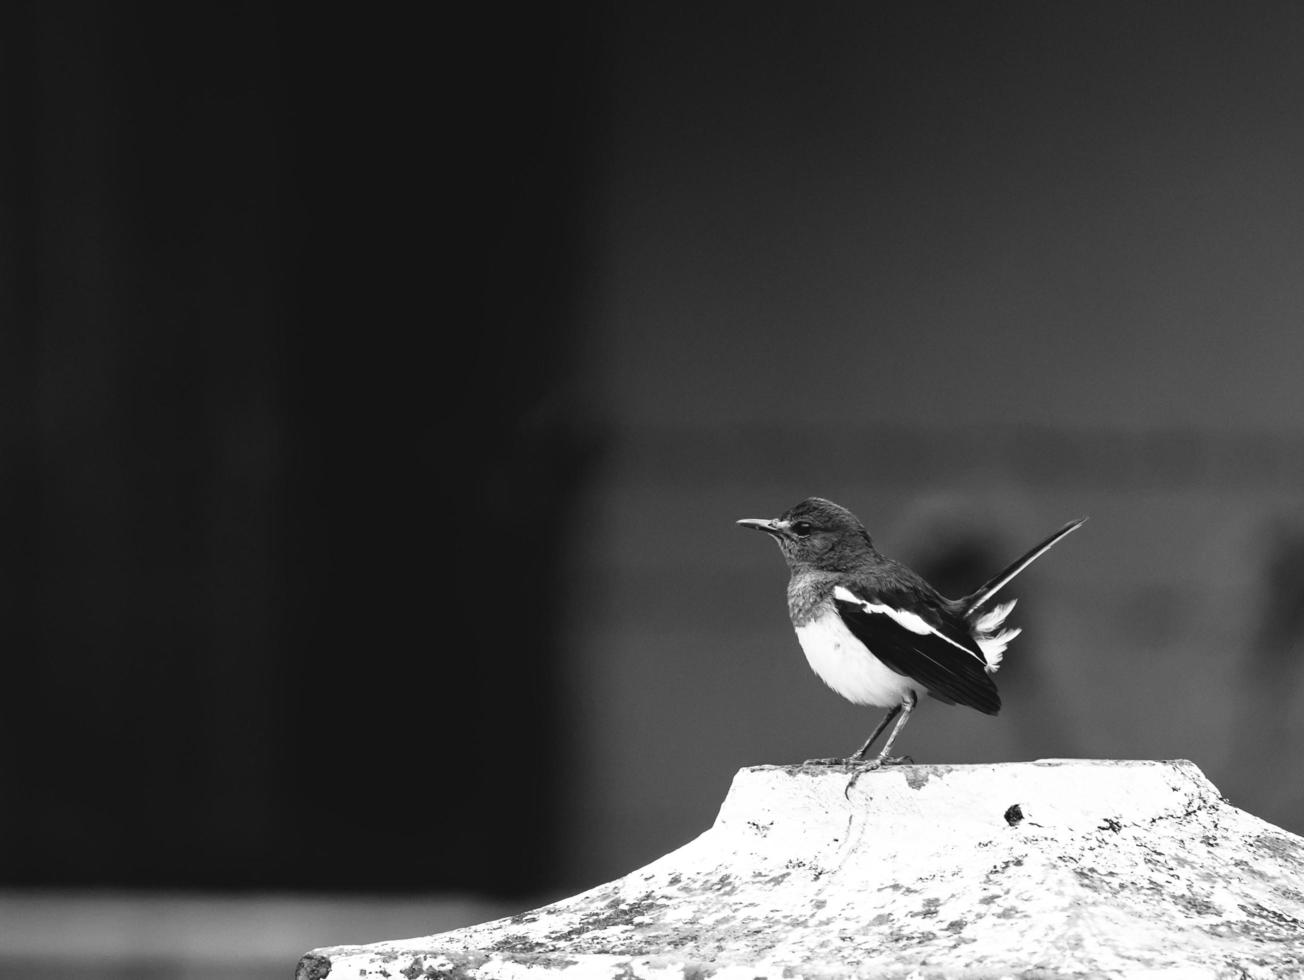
{"type": "Point", "coordinates": [1268, 739]}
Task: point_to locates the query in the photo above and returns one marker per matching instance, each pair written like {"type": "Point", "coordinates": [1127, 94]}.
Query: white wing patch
{"type": "Point", "coordinates": [911, 621]}
{"type": "Point", "coordinates": [990, 642]}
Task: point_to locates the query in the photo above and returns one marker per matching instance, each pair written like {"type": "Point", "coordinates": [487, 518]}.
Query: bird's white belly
{"type": "Point", "coordinates": [843, 663]}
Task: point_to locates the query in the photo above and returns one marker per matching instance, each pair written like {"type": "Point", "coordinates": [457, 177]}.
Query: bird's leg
{"type": "Point", "coordinates": [860, 755]}
{"type": "Point", "coordinates": [887, 720]}
{"type": "Point", "coordinates": [906, 706]}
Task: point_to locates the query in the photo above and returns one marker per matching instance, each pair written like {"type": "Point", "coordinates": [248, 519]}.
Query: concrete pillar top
{"type": "Point", "coordinates": [1054, 868]}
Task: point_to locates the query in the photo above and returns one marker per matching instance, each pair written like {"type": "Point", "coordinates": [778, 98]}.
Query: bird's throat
{"type": "Point", "coordinates": [809, 595]}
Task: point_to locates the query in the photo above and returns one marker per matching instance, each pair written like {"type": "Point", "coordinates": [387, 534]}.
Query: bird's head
{"type": "Point", "coordinates": [817, 533]}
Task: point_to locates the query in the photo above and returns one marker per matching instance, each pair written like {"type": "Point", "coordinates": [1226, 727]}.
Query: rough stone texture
{"type": "Point", "coordinates": [1056, 868]}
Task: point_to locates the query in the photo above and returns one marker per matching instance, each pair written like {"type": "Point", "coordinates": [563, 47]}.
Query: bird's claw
{"type": "Point", "coordinates": [869, 766]}
{"type": "Point", "coordinates": [861, 769]}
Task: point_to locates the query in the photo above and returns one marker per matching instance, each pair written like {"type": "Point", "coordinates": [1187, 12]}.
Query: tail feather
{"type": "Point", "coordinates": [993, 647]}
{"type": "Point", "coordinates": [1002, 578]}
{"type": "Point", "coordinates": [991, 620]}
{"type": "Point", "coordinates": [985, 634]}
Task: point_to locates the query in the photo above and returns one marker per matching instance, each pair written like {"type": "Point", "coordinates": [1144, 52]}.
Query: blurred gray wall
{"type": "Point", "coordinates": [972, 270]}
{"type": "Point", "coordinates": [291, 503]}
{"type": "Point", "coordinates": [264, 441]}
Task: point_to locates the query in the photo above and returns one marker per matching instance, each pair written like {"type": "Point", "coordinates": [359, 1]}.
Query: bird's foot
{"type": "Point", "coordinates": [869, 765]}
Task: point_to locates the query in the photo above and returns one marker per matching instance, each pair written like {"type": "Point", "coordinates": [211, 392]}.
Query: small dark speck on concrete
{"type": "Point", "coordinates": [928, 911]}
{"type": "Point", "coordinates": [1014, 814]}
{"type": "Point", "coordinates": [917, 776]}
{"type": "Point", "coordinates": [1111, 824]}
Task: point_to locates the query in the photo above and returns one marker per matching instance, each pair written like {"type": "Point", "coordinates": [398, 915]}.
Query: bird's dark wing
{"type": "Point", "coordinates": [921, 645]}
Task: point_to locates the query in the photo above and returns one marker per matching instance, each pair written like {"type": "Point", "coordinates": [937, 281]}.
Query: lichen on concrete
{"type": "Point", "coordinates": [1049, 869]}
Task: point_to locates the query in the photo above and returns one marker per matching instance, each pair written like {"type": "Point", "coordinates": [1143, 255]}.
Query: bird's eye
{"type": "Point", "coordinates": [802, 528]}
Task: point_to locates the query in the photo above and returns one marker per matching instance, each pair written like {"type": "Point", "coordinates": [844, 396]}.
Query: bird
{"type": "Point", "coordinates": [877, 633]}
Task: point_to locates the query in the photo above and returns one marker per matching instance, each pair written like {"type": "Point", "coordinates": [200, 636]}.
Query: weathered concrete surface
{"type": "Point", "coordinates": [1057, 868]}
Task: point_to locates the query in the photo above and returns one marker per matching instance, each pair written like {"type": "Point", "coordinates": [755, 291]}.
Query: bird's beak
{"type": "Point", "coordinates": [775, 527]}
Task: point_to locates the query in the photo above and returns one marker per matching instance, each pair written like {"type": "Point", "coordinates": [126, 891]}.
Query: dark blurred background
{"type": "Point", "coordinates": [380, 388]}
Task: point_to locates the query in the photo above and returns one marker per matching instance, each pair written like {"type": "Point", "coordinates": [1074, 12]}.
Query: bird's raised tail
{"type": "Point", "coordinates": [972, 603]}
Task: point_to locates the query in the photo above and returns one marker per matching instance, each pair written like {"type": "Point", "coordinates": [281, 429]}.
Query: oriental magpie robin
{"type": "Point", "coordinates": [877, 633]}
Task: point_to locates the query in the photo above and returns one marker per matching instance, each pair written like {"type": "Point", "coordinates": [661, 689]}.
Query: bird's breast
{"type": "Point", "coordinates": [846, 665]}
